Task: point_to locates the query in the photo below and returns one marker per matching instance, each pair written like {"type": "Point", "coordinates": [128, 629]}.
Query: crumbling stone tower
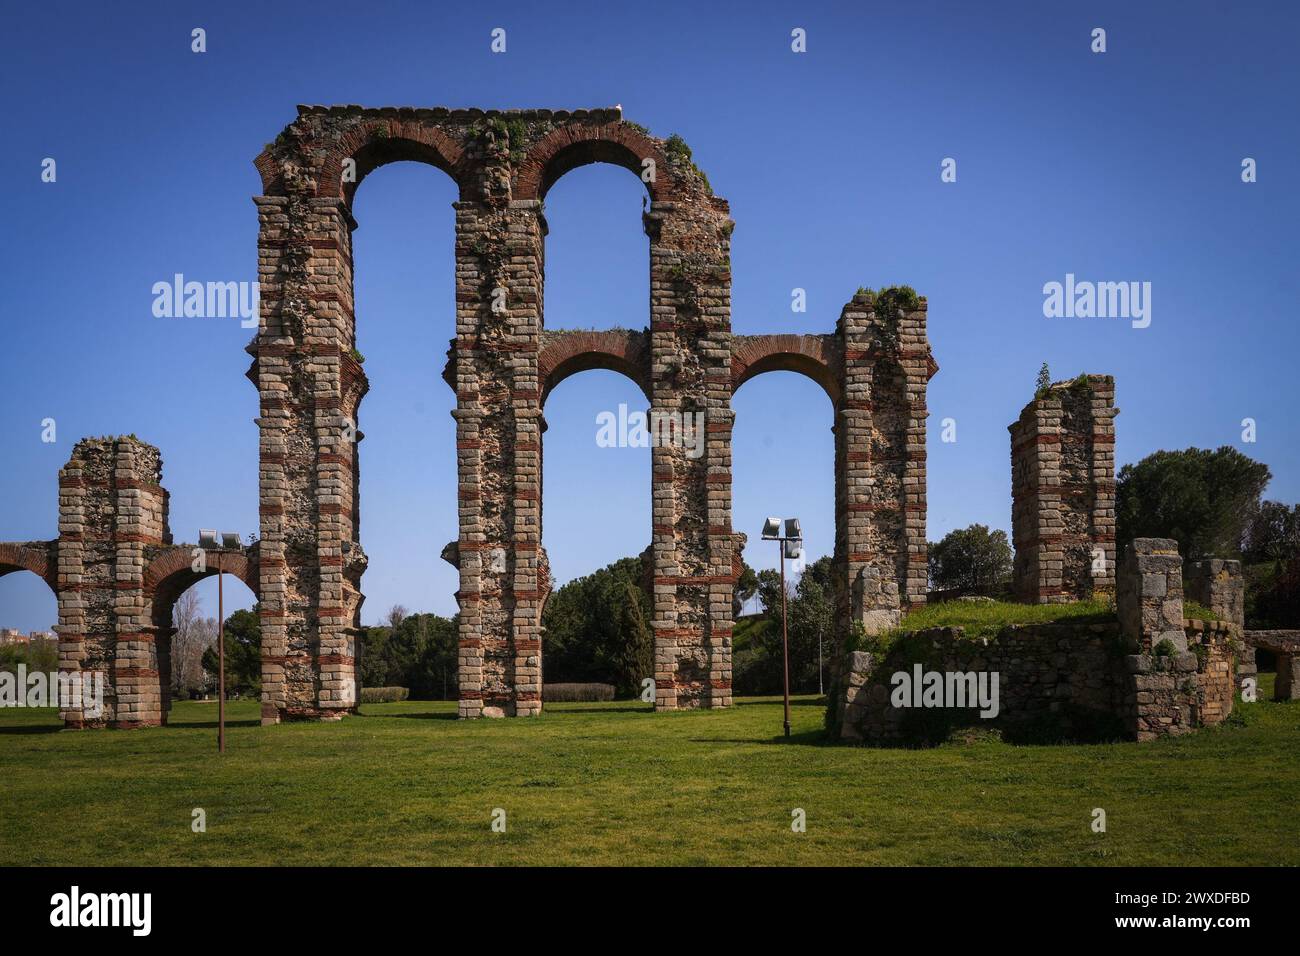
{"type": "Point", "coordinates": [880, 458]}
{"type": "Point", "coordinates": [117, 575]}
{"type": "Point", "coordinates": [1063, 492]}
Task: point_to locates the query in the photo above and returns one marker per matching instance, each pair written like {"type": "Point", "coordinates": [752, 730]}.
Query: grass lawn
{"type": "Point", "coordinates": [614, 784]}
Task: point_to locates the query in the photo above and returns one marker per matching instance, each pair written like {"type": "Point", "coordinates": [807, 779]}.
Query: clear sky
{"type": "Point", "coordinates": [1115, 166]}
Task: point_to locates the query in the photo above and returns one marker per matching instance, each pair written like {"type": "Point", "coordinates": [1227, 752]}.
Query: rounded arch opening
{"type": "Point", "coordinates": [185, 614]}
{"type": "Point", "coordinates": [31, 611]}
{"type": "Point", "coordinates": [596, 507]}
{"type": "Point", "coordinates": [405, 302]}
{"type": "Point", "coordinates": [597, 255]}
{"type": "Point", "coordinates": [783, 463]}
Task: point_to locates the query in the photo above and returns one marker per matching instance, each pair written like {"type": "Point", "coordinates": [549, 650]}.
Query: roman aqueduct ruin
{"type": "Point", "coordinates": [117, 572]}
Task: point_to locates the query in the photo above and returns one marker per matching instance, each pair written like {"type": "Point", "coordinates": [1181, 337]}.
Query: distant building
{"type": "Point", "coordinates": [9, 636]}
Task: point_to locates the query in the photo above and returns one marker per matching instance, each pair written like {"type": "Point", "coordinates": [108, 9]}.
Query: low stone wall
{"type": "Point", "coordinates": [1172, 694]}
{"type": "Point", "coordinates": [1054, 682]}
{"type": "Point", "coordinates": [1286, 646]}
{"type": "Point", "coordinates": [1057, 676]}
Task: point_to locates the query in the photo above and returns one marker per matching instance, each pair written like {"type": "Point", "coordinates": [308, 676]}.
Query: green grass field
{"type": "Point", "coordinates": [614, 784]}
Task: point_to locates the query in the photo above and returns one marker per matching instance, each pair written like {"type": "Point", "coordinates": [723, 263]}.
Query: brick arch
{"type": "Point", "coordinates": [568, 147]}
{"type": "Point", "coordinates": [371, 145]}
{"type": "Point", "coordinates": [34, 557]}
{"type": "Point", "coordinates": [567, 353]}
{"type": "Point", "coordinates": [810, 355]}
{"type": "Point", "coordinates": [171, 573]}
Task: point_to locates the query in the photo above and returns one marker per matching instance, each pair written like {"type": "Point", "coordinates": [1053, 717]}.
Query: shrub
{"type": "Point", "coordinates": [559, 693]}
{"type": "Point", "coordinates": [383, 695]}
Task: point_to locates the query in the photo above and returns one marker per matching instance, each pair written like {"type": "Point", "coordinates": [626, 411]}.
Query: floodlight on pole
{"type": "Point", "coordinates": [790, 545]}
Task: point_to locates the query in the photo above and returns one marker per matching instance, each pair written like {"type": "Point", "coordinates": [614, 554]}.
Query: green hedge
{"type": "Point", "coordinates": [577, 692]}
{"type": "Point", "coordinates": [384, 695]}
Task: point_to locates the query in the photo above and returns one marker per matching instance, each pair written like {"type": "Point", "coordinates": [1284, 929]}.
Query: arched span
{"type": "Point", "coordinates": [369, 145]}
{"type": "Point", "coordinates": [810, 355]}
{"type": "Point", "coordinates": [568, 147]}
{"type": "Point", "coordinates": [566, 353]}
{"type": "Point", "coordinates": [172, 572]}
{"type": "Point", "coordinates": [37, 557]}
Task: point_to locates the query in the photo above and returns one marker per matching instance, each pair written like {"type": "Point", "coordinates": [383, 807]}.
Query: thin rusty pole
{"type": "Point", "coordinates": [785, 642]}
{"type": "Point", "coordinates": [221, 656]}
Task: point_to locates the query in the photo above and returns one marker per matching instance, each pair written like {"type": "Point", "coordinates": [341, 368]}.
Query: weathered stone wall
{"type": "Point", "coordinates": [1054, 680]}
{"type": "Point", "coordinates": [307, 567]}
{"type": "Point", "coordinates": [1051, 677]}
{"type": "Point", "coordinates": [1285, 646]}
{"type": "Point", "coordinates": [117, 575]}
{"type": "Point", "coordinates": [880, 462]}
{"type": "Point", "coordinates": [1148, 673]}
{"type": "Point", "coordinates": [502, 364]}
{"type": "Point", "coordinates": [1063, 492]}
{"type": "Point", "coordinates": [112, 508]}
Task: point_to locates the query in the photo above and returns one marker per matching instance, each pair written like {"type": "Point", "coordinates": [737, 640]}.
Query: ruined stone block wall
{"type": "Point", "coordinates": [1066, 674]}
{"type": "Point", "coordinates": [1075, 680]}
{"type": "Point", "coordinates": [693, 543]}
{"type": "Point", "coordinates": [880, 463]}
{"type": "Point", "coordinates": [1285, 645]}
{"type": "Point", "coordinates": [112, 509]}
{"type": "Point", "coordinates": [1063, 492]}
{"type": "Point", "coordinates": [503, 164]}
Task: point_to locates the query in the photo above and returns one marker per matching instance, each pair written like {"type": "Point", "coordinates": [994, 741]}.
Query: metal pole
{"type": "Point", "coordinates": [221, 669]}
{"type": "Point", "coordinates": [785, 642]}
{"type": "Point", "coordinates": [820, 689]}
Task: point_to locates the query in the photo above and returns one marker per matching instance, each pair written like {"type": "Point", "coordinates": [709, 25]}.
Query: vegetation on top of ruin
{"type": "Point", "coordinates": [679, 154]}
{"type": "Point", "coordinates": [985, 618]}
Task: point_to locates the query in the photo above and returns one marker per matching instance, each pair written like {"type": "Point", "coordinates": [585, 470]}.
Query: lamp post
{"type": "Point", "coordinates": [791, 546]}
{"type": "Point", "coordinates": [229, 541]}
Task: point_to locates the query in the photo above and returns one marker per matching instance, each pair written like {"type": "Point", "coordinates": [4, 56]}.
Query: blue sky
{"type": "Point", "coordinates": [1120, 166]}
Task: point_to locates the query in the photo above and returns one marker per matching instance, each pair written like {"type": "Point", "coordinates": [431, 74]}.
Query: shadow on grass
{"type": "Point", "coordinates": [776, 701]}
{"type": "Point", "coordinates": [422, 715]}
{"type": "Point", "coordinates": [808, 738]}
{"type": "Point", "coordinates": [32, 729]}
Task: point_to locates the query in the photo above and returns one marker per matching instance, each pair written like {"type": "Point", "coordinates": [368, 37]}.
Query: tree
{"type": "Point", "coordinates": [1203, 499]}
{"type": "Point", "coordinates": [194, 635]}
{"type": "Point", "coordinates": [419, 653]}
{"type": "Point", "coordinates": [746, 588]}
{"type": "Point", "coordinates": [1272, 533]}
{"type": "Point", "coordinates": [243, 654]}
{"type": "Point", "coordinates": [1044, 380]}
{"type": "Point", "coordinates": [970, 558]}
{"type": "Point", "coordinates": [597, 628]}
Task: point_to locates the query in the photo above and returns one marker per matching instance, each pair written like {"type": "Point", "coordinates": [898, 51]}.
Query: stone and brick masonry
{"type": "Point", "coordinates": [1063, 492]}
{"type": "Point", "coordinates": [1149, 673]}
{"type": "Point", "coordinates": [116, 573]}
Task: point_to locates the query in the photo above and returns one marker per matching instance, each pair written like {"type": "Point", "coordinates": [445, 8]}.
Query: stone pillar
{"type": "Point", "coordinates": [1218, 585]}
{"type": "Point", "coordinates": [1287, 684]}
{"type": "Point", "coordinates": [112, 513]}
{"type": "Point", "coordinates": [503, 578]}
{"type": "Point", "coordinates": [1150, 595]}
{"type": "Point", "coordinates": [695, 550]}
{"type": "Point", "coordinates": [310, 386]}
{"type": "Point", "coordinates": [880, 477]}
{"type": "Point", "coordinates": [1063, 492]}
